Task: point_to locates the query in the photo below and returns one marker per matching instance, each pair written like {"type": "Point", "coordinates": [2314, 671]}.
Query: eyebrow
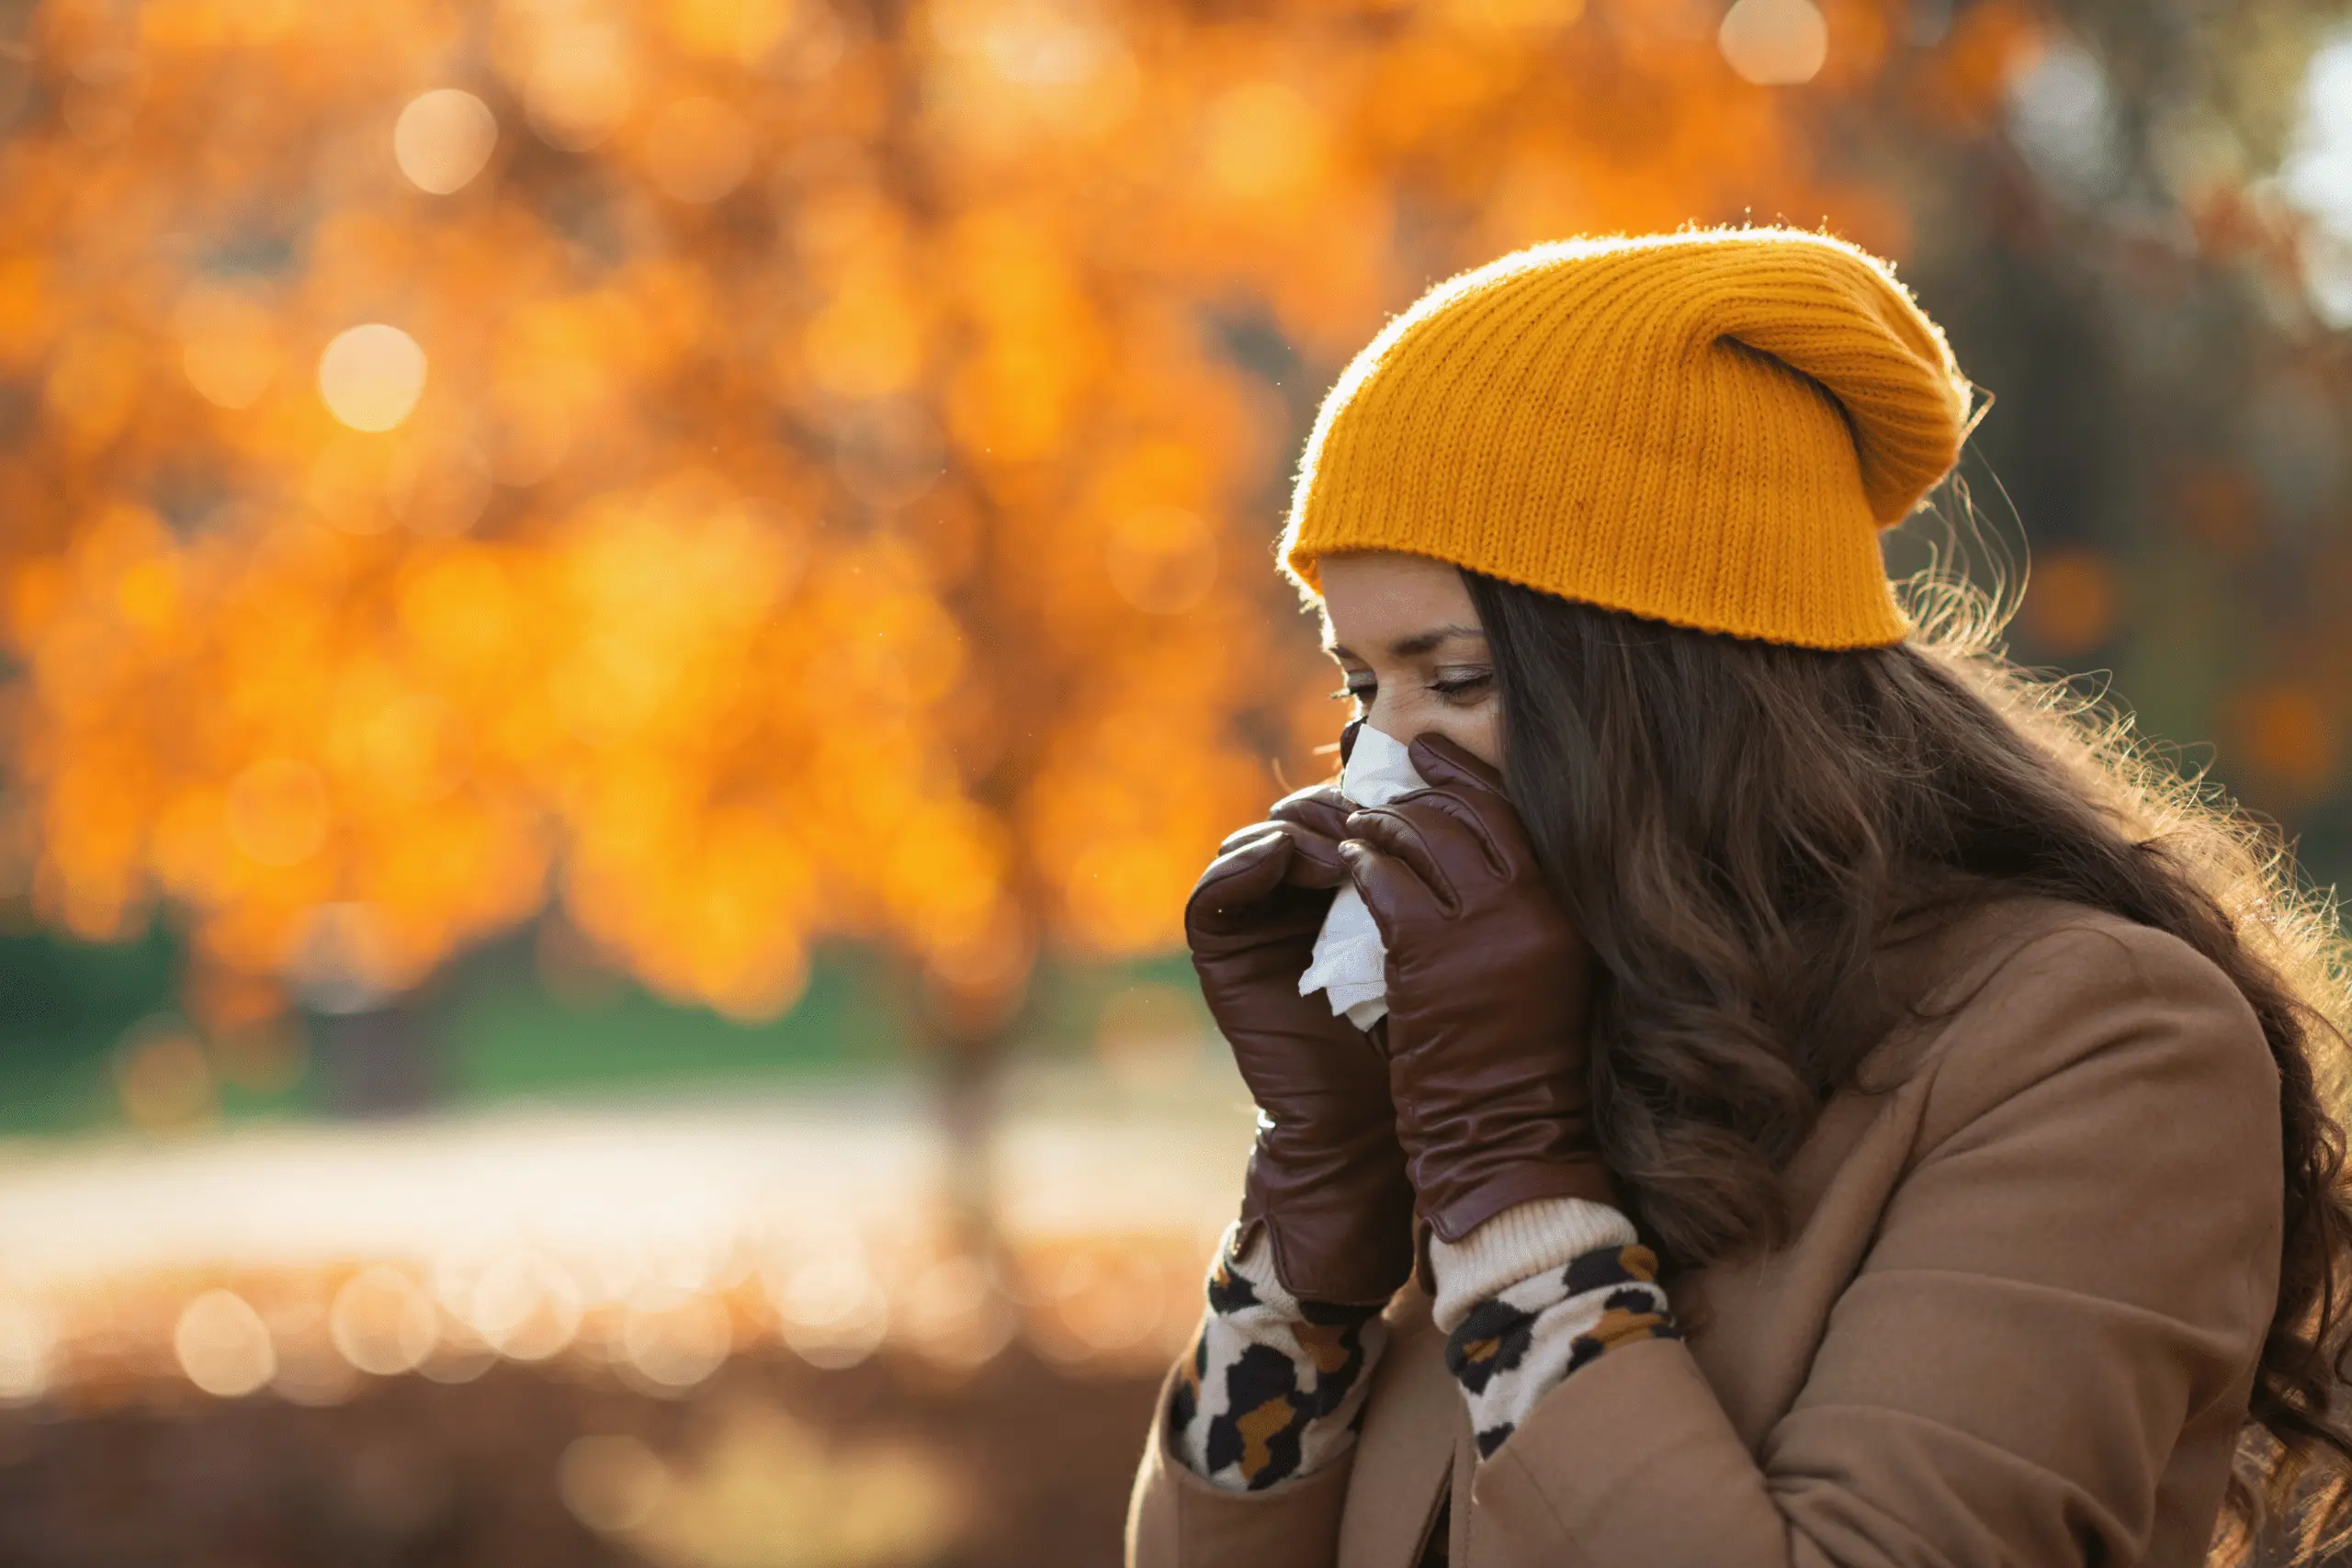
{"type": "Point", "coordinates": [1418, 643]}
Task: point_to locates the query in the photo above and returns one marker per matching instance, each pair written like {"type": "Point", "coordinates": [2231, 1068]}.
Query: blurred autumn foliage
{"type": "Point", "coordinates": [746, 473]}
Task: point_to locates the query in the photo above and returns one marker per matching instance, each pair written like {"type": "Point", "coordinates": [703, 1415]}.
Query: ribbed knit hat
{"type": "Point", "coordinates": [1708, 428]}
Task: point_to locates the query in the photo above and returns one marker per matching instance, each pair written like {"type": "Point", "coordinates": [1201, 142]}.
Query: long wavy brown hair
{"type": "Point", "coordinates": [1736, 824]}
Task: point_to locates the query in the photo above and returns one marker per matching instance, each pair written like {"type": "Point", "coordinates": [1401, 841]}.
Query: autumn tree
{"type": "Point", "coordinates": [746, 473]}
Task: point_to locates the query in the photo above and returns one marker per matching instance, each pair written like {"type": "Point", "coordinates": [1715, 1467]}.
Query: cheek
{"type": "Point", "coordinates": [1480, 733]}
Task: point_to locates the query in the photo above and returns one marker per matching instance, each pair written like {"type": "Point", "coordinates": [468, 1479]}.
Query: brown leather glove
{"type": "Point", "coordinates": [1487, 991]}
{"type": "Point", "coordinates": [1327, 1177]}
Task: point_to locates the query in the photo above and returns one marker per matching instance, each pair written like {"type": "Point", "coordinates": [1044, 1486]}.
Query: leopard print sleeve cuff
{"type": "Point", "coordinates": [1535, 1293]}
{"type": "Point", "coordinates": [1275, 1386]}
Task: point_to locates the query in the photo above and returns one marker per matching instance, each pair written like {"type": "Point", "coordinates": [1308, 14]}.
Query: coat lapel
{"type": "Point", "coordinates": [1415, 1426]}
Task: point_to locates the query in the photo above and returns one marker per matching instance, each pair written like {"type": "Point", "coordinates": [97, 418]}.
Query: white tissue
{"type": "Point", "coordinates": [1350, 964]}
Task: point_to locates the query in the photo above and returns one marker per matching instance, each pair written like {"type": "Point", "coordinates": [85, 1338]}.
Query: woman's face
{"type": "Point", "coordinates": [1409, 647]}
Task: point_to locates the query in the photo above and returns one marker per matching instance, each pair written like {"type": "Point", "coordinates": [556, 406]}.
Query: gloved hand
{"type": "Point", "coordinates": [1488, 986]}
{"type": "Point", "coordinates": [1327, 1177]}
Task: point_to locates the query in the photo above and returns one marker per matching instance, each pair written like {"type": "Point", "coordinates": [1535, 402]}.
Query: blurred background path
{"type": "Point", "coordinates": [732, 1331]}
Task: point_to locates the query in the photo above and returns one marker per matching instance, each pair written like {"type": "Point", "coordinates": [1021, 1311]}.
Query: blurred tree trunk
{"type": "Point", "coordinates": [385, 1060]}
{"type": "Point", "coordinates": [970, 1085]}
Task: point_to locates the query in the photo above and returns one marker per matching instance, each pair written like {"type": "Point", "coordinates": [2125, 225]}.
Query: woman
{"type": "Point", "coordinates": [1833, 1105]}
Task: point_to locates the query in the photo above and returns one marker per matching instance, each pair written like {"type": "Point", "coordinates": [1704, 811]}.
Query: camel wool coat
{"type": "Point", "coordinates": [2016, 1320]}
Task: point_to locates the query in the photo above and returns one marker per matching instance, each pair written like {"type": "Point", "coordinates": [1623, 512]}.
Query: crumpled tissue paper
{"type": "Point", "coordinates": [1349, 964]}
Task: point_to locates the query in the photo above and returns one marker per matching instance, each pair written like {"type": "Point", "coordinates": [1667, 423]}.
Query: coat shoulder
{"type": "Point", "coordinates": [2028, 989]}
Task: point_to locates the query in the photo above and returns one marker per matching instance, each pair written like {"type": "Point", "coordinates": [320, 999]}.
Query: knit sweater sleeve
{"type": "Point", "coordinates": [1534, 1293]}
{"type": "Point", "coordinates": [1276, 1386]}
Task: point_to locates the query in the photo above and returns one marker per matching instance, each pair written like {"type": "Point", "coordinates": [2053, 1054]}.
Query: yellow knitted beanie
{"type": "Point", "coordinates": [1708, 428]}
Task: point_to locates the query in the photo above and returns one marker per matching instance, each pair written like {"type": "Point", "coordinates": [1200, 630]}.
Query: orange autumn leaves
{"type": "Point", "coordinates": [376, 756]}
{"type": "Point", "coordinates": [743, 472]}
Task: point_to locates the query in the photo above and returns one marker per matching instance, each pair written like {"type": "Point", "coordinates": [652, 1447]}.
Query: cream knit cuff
{"type": "Point", "coordinates": [1522, 1242]}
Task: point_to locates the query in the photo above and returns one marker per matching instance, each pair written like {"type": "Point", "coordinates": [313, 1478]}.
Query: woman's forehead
{"type": "Point", "coordinates": [1385, 600]}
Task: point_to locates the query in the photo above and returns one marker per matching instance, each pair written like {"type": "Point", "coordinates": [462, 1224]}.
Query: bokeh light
{"type": "Point", "coordinates": [677, 1347]}
{"type": "Point", "coordinates": [223, 1345]}
{"type": "Point", "coordinates": [525, 1306]}
{"type": "Point", "coordinates": [1775, 43]}
{"type": "Point", "coordinates": [2318, 175]}
{"type": "Point", "coordinates": [579, 83]}
{"type": "Point", "coordinates": [443, 139]}
{"type": "Point", "coordinates": [2071, 603]}
{"type": "Point", "coordinates": [382, 1322]}
{"type": "Point", "coordinates": [371, 375]}
{"type": "Point", "coordinates": [2287, 732]}
{"type": "Point", "coordinates": [830, 1311]}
